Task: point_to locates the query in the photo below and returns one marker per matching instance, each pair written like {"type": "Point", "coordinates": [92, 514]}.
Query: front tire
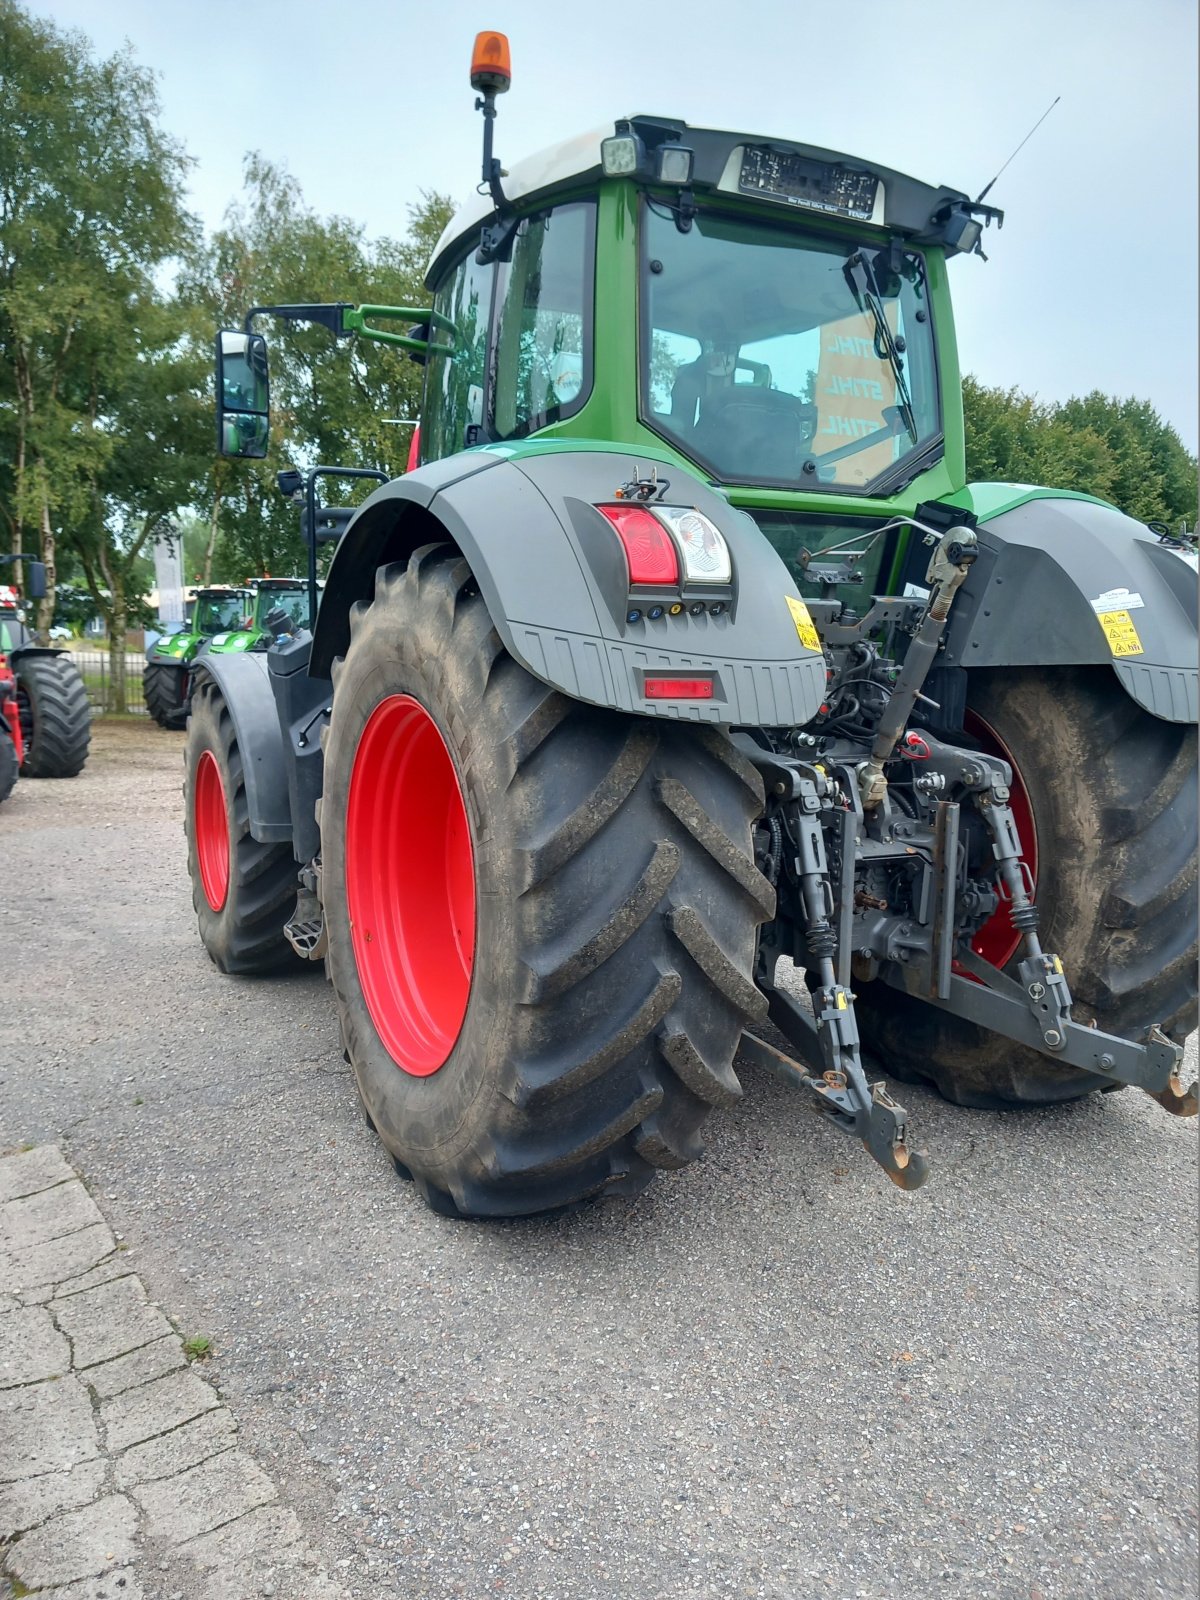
{"type": "Point", "coordinates": [540, 1001]}
{"type": "Point", "coordinates": [8, 765]}
{"type": "Point", "coordinates": [243, 891]}
{"type": "Point", "coordinates": [165, 693]}
{"type": "Point", "coordinates": [1112, 791]}
{"type": "Point", "coordinates": [56, 719]}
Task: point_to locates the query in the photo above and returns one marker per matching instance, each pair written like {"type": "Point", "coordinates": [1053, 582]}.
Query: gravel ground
{"type": "Point", "coordinates": [774, 1375]}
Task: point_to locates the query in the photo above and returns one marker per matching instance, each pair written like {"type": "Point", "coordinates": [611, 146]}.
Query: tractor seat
{"type": "Point", "coordinates": [765, 433]}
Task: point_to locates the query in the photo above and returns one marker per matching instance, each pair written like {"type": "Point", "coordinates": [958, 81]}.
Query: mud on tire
{"type": "Point", "coordinates": [244, 932]}
{"type": "Point", "coordinates": [56, 719]}
{"type": "Point", "coordinates": [1113, 791]}
{"type": "Point", "coordinates": [617, 903]}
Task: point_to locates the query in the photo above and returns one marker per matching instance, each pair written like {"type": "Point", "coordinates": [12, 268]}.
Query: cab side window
{"type": "Point", "coordinates": [543, 334]}
{"type": "Point", "coordinates": [456, 369]}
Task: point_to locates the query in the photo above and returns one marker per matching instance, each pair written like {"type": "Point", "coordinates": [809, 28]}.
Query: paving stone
{"type": "Point", "coordinates": [62, 1258]}
{"type": "Point", "coordinates": [33, 1170]}
{"type": "Point", "coordinates": [46, 1427]}
{"type": "Point", "coordinates": [266, 1537]}
{"type": "Point", "coordinates": [139, 1366]}
{"type": "Point", "coordinates": [109, 1321]}
{"type": "Point", "coordinates": [23, 1505]}
{"type": "Point", "coordinates": [31, 1348]}
{"type": "Point", "coordinates": [49, 1215]}
{"type": "Point", "coordinates": [76, 1544]}
{"type": "Point", "coordinates": [8, 1302]}
{"type": "Point", "coordinates": [118, 1585]}
{"type": "Point", "coordinates": [174, 1452]}
{"type": "Point", "coordinates": [117, 1265]}
{"type": "Point", "coordinates": [155, 1407]}
{"type": "Point", "coordinates": [39, 1296]}
{"type": "Point", "coordinates": [202, 1498]}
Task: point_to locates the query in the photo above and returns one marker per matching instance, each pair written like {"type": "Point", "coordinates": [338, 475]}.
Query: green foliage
{"type": "Point", "coordinates": [330, 399]}
{"type": "Point", "coordinates": [1119, 450]}
{"type": "Point", "coordinates": [91, 209]}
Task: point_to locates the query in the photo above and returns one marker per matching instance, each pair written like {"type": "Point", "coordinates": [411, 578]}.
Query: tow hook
{"type": "Point", "coordinates": [1173, 1097]}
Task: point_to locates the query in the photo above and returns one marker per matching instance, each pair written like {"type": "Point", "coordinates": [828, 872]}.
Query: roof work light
{"type": "Point", "coordinates": [491, 64]}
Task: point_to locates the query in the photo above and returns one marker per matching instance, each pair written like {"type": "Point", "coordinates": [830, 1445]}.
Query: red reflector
{"type": "Point", "coordinates": [678, 688]}
{"type": "Point", "coordinates": [649, 548]}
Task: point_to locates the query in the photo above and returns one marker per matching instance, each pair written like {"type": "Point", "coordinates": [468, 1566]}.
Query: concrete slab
{"type": "Point", "coordinates": [31, 1170]}
{"type": "Point", "coordinates": [178, 1450]}
{"type": "Point", "coordinates": [76, 1544]}
{"type": "Point", "coordinates": [139, 1366]}
{"type": "Point", "coordinates": [31, 1348]}
{"type": "Point", "coordinates": [109, 1321]}
{"type": "Point", "coordinates": [38, 1218]}
{"type": "Point", "coordinates": [116, 1265]}
{"type": "Point", "coordinates": [63, 1258]}
{"type": "Point", "coordinates": [155, 1408]}
{"type": "Point", "coordinates": [267, 1537]}
{"type": "Point", "coordinates": [46, 1427]}
{"type": "Point", "coordinates": [23, 1505]}
{"type": "Point", "coordinates": [204, 1497]}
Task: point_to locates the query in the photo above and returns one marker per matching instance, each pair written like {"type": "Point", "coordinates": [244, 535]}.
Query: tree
{"type": "Point", "coordinates": [1119, 450]}
{"type": "Point", "coordinates": [332, 401]}
{"type": "Point", "coordinates": [91, 208]}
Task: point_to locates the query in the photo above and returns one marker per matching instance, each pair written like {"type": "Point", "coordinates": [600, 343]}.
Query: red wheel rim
{"type": "Point", "coordinates": [212, 831]}
{"type": "Point", "coordinates": [997, 940]}
{"type": "Point", "coordinates": [410, 885]}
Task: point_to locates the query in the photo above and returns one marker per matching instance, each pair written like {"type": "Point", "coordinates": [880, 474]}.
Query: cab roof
{"type": "Point", "coordinates": [898, 204]}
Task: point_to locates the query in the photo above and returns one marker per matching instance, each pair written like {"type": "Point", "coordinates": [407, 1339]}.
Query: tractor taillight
{"type": "Point", "coordinates": [649, 549]}
{"type": "Point", "coordinates": [678, 688]}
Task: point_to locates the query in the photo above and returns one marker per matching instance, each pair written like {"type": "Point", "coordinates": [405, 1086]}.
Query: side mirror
{"type": "Point", "coordinates": [424, 331]}
{"type": "Point", "coordinates": [35, 587]}
{"type": "Point", "coordinates": [243, 395]}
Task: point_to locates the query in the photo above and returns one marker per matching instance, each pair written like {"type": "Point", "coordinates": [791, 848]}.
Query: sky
{"type": "Point", "coordinates": [1091, 284]}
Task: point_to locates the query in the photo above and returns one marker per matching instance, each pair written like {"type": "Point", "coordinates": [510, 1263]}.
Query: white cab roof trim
{"type": "Point", "coordinates": [548, 169]}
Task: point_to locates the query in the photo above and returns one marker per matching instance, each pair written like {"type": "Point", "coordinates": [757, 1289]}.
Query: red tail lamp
{"type": "Point", "coordinates": [649, 548]}
{"type": "Point", "coordinates": [491, 66]}
{"type": "Point", "coordinates": [678, 688]}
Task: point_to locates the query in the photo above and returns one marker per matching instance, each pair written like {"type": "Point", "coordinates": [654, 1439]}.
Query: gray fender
{"type": "Point", "coordinates": [552, 573]}
{"type": "Point", "coordinates": [1047, 567]}
{"type": "Point", "coordinates": [243, 681]}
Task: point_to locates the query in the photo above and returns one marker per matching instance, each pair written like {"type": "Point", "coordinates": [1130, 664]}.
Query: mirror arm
{"type": "Point", "coordinates": [327, 316]}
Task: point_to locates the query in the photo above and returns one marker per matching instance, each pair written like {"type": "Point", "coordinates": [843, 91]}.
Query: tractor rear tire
{"type": "Point", "coordinates": [243, 891]}
{"type": "Point", "coordinates": [552, 907]}
{"type": "Point", "coordinates": [160, 689]}
{"type": "Point", "coordinates": [8, 765]}
{"type": "Point", "coordinates": [56, 719]}
{"type": "Point", "coordinates": [1113, 795]}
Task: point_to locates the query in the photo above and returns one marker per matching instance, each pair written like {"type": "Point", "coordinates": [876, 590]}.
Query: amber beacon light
{"type": "Point", "coordinates": [491, 66]}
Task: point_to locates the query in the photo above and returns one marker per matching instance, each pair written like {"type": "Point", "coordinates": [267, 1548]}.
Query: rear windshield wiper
{"type": "Point", "coordinates": [859, 273]}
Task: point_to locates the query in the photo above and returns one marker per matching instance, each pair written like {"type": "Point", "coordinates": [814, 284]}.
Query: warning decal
{"type": "Point", "coordinates": [805, 626]}
{"type": "Point", "coordinates": [1120, 632]}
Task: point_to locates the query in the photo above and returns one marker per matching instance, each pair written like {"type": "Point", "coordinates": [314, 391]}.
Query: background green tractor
{"type": "Point", "coordinates": [686, 684]}
{"type": "Point", "coordinates": [48, 692]}
{"type": "Point", "coordinates": [252, 632]}
{"type": "Point", "coordinates": [165, 678]}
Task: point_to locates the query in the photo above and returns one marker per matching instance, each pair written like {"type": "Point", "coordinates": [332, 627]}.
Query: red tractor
{"type": "Point", "coordinates": [45, 719]}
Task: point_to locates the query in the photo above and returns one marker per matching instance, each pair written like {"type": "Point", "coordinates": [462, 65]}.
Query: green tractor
{"type": "Point", "coordinates": [53, 727]}
{"type": "Point", "coordinates": [166, 682]}
{"type": "Point", "coordinates": [686, 686]}
{"type": "Point", "coordinates": [252, 632]}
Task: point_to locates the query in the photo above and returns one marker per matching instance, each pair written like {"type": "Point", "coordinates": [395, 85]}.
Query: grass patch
{"type": "Point", "coordinates": [198, 1347]}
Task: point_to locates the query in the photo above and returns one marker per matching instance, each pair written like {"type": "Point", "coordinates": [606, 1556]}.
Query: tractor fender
{"type": "Point", "coordinates": [244, 683]}
{"type": "Point", "coordinates": [22, 652]}
{"type": "Point", "coordinates": [553, 575]}
{"type": "Point", "coordinates": [1065, 581]}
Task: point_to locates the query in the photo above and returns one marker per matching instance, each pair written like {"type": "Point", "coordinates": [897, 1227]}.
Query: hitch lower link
{"type": "Point", "coordinates": [828, 1040]}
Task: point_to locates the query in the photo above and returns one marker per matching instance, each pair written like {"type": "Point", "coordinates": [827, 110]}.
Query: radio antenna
{"type": "Point", "coordinates": [1020, 147]}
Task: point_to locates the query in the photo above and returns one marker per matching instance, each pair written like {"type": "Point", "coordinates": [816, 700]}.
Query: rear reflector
{"type": "Point", "coordinates": [678, 688]}
{"type": "Point", "coordinates": [649, 548]}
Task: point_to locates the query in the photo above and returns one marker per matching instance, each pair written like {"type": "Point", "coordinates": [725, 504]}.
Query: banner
{"type": "Point", "coordinates": [853, 386]}
{"type": "Point", "coordinates": [168, 574]}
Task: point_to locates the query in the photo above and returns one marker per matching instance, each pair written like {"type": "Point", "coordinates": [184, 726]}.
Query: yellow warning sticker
{"type": "Point", "coordinates": [805, 626]}
{"type": "Point", "coordinates": [1120, 632]}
